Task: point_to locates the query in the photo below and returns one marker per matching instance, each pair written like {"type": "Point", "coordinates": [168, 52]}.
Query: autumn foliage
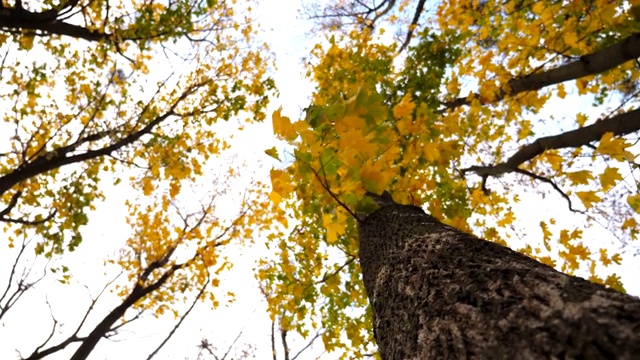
{"type": "Point", "coordinates": [472, 109]}
{"type": "Point", "coordinates": [461, 115]}
{"type": "Point", "coordinates": [127, 96]}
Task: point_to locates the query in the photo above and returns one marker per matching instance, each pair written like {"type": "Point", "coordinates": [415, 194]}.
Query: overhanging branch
{"type": "Point", "coordinates": [46, 22]}
{"type": "Point", "coordinates": [64, 155]}
{"type": "Point", "coordinates": [619, 125]}
{"type": "Point", "coordinates": [600, 61]}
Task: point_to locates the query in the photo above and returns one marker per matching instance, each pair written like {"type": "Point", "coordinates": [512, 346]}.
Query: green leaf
{"type": "Point", "coordinates": [273, 153]}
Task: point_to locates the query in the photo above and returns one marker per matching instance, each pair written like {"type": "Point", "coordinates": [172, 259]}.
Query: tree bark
{"type": "Point", "coordinates": [439, 293]}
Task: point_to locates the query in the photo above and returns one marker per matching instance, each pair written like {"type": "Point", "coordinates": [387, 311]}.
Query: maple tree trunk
{"type": "Point", "coordinates": [439, 293]}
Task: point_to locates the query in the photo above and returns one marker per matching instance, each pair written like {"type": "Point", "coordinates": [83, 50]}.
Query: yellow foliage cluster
{"type": "Point", "coordinates": [96, 103]}
{"type": "Point", "coordinates": [373, 127]}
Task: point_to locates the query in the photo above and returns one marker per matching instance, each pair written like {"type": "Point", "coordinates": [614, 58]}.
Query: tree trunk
{"type": "Point", "coordinates": [438, 293]}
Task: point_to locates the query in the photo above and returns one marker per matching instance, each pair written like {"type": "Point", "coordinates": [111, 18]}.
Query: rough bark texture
{"type": "Point", "coordinates": [438, 293]}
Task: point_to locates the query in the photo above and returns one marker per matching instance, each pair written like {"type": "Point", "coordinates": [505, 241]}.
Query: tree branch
{"type": "Point", "coordinates": [619, 125]}
{"type": "Point", "coordinates": [137, 293]}
{"type": "Point", "coordinates": [179, 323]}
{"type": "Point", "coordinates": [285, 346]}
{"type": "Point", "coordinates": [46, 22]}
{"type": "Point", "coordinates": [600, 61]}
{"type": "Point", "coordinates": [548, 181]}
{"type": "Point", "coordinates": [414, 23]}
{"type": "Point", "coordinates": [60, 157]}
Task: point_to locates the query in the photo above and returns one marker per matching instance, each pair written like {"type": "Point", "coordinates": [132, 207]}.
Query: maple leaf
{"type": "Point", "coordinates": [333, 226]}
{"type": "Point", "coordinates": [404, 108]}
{"type": "Point", "coordinates": [634, 202]}
{"type": "Point", "coordinates": [614, 147]}
{"type": "Point", "coordinates": [282, 125]}
{"type": "Point", "coordinates": [273, 153]}
{"type": "Point", "coordinates": [579, 177]}
{"type": "Point", "coordinates": [609, 178]}
{"type": "Point", "coordinates": [588, 198]}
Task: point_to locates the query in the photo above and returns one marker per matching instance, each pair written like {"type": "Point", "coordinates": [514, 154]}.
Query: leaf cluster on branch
{"type": "Point", "coordinates": [483, 88]}
{"type": "Point", "coordinates": [125, 99]}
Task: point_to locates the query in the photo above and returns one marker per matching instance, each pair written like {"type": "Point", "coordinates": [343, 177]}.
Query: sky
{"type": "Point", "coordinates": [288, 36]}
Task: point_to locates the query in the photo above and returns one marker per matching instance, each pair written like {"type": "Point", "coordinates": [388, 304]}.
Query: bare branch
{"type": "Point", "coordinates": [182, 318]}
{"type": "Point", "coordinates": [553, 184]}
{"type": "Point", "coordinates": [30, 222]}
{"type": "Point", "coordinates": [314, 338]}
{"type": "Point", "coordinates": [273, 339]}
{"type": "Point", "coordinates": [22, 284]}
{"type": "Point", "coordinates": [138, 292]}
{"type": "Point", "coordinates": [232, 344]}
{"type": "Point", "coordinates": [12, 203]}
{"type": "Point", "coordinates": [285, 346]}
{"type": "Point", "coordinates": [414, 23]}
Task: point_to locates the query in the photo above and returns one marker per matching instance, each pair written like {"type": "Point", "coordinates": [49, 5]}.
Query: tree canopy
{"type": "Point", "coordinates": [471, 109]}
{"type": "Point", "coordinates": [128, 94]}
{"type": "Point", "coordinates": [449, 116]}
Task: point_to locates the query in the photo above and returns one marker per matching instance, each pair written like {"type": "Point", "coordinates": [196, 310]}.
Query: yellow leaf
{"type": "Point", "coordinates": [580, 177]}
{"type": "Point", "coordinates": [459, 222]}
{"type": "Point", "coordinates": [616, 258]}
{"type": "Point", "coordinates": [147, 186]}
{"type": "Point", "coordinates": [614, 147]}
{"type": "Point", "coordinates": [588, 198]}
{"type": "Point", "coordinates": [282, 126]}
{"type": "Point", "coordinates": [580, 251]}
{"type": "Point", "coordinates": [405, 108]}
{"type": "Point", "coordinates": [478, 198]}
{"type": "Point", "coordinates": [629, 223]}
{"type": "Point", "coordinates": [374, 179]}
{"type": "Point", "coordinates": [275, 197]}
{"type": "Point", "coordinates": [571, 39]}
{"type": "Point", "coordinates": [538, 8]}
{"type": "Point", "coordinates": [297, 291]}
{"type": "Point", "coordinates": [280, 182]}
{"type": "Point", "coordinates": [546, 234]}
{"type": "Point", "coordinates": [174, 188]}
{"type": "Point", "coordinates": [581, 84]}
{"type": "Point", "coordinates": [26, 41]}
{"type": "Point", "coordinates": [507, 219]}
{"type": "Point", "coordinates": [333, 226]}
{"type": "Point", "coordinates": [634, 202]}
{"type": "Point", "coordinates": [556, 161]}
{"type": "Point", "coordinates": [604, 258]}
{"type": "Point", "coordinates": [609, 178]}
{"type": "Point", "coordinates": [273, 153]}
{"type": "Point", "coordinates": [547, 260]}
{"type": "Point", "coordinates": [431, 152]}
{"type": "Point", "coordinates": [561, 91]}
{"type": "Point", "coordinates": [613, 281]}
